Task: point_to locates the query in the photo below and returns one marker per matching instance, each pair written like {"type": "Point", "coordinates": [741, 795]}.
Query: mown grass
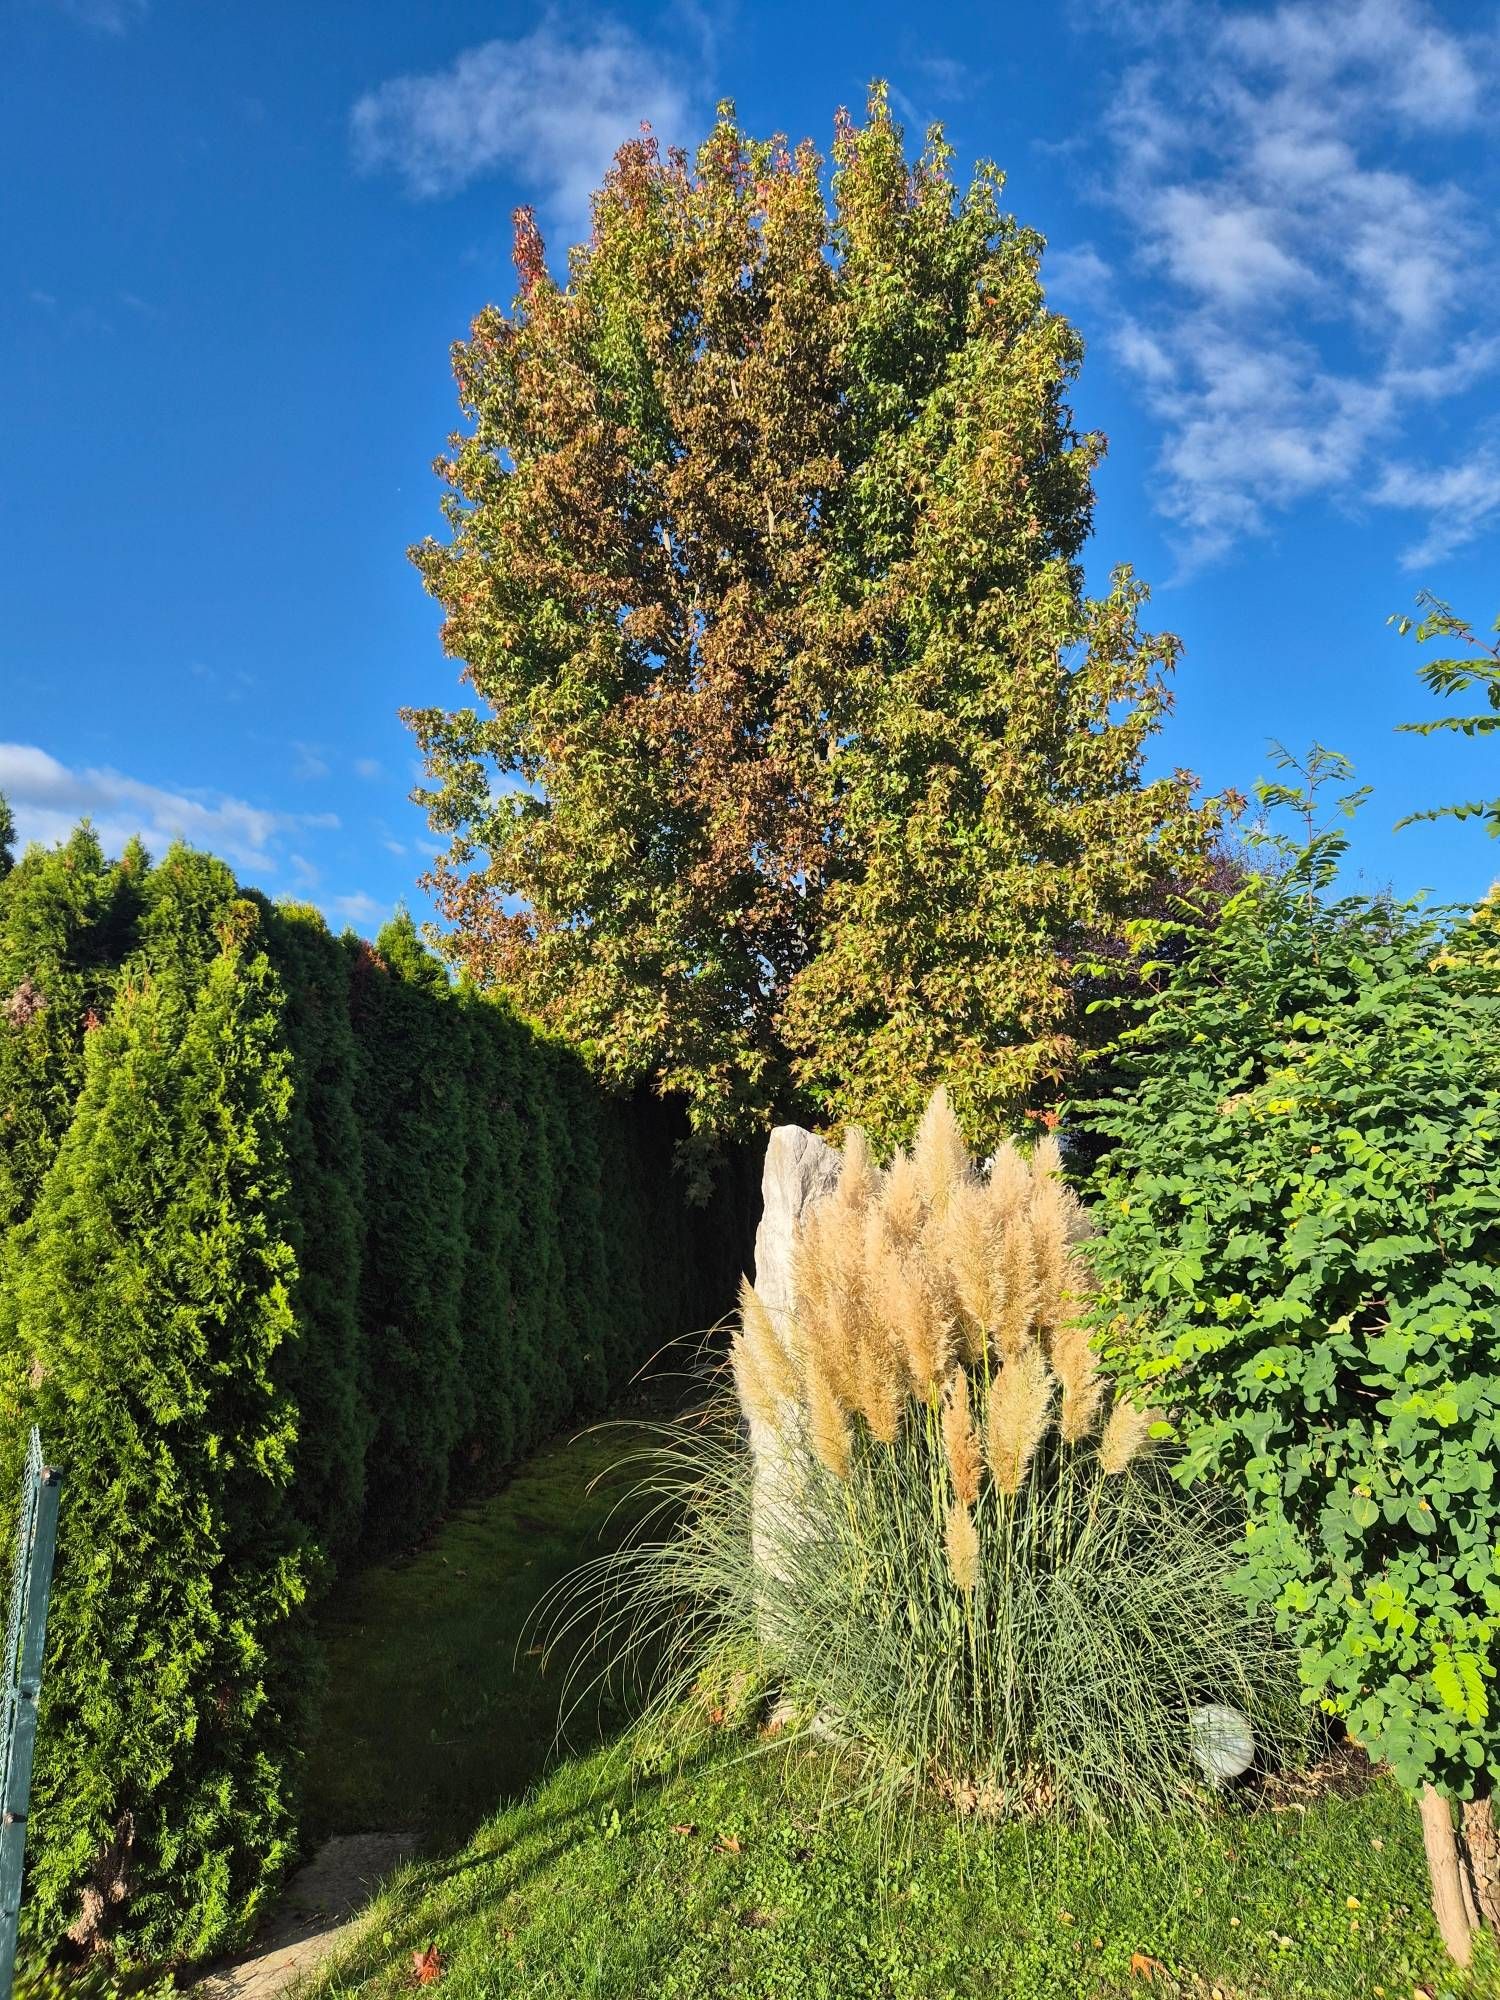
{"type": "Point", "coordinates": [597, 1887]}
{"type": "Point", "coordinates": [732, 1876]}
{"type": "Point", "coordinates": [435, 1712]}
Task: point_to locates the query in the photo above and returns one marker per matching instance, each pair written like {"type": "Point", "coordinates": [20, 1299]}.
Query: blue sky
{"type": "Point", "coordinates": [238, 241]}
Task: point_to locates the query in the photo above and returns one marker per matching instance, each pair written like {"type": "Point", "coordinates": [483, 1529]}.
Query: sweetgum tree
{"type": "Point", "coordinates": [801, 768]}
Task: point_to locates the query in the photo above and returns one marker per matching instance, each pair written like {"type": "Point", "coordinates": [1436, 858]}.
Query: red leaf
{"type": "Point", "coordinates": [427, 1966]}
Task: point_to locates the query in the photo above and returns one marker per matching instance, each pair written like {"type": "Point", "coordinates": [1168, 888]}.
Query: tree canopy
{"type": "Point", "coordinates": [802, 769]}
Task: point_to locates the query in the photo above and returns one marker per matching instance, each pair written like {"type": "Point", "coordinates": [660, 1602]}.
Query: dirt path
{"type": "Point", "coordinates": [321, 1908]}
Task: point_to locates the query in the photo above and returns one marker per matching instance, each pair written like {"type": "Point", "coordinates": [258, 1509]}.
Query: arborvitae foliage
{"type": "Point", "coordinates": [410, 1035]}
{"type": "Point", "coordinates": [544, 1310]}
{"type": "Point", "coordinates": [491, 1423]}
{"type": "Point", "coordinates": [325, 1367]}
{"type": "Point", "coordinates": [151, 1296]}
{"type": "Point", "coordinates": [66, 923]}
{"type": "Point", "coordinates": [304, 1189]}
{"type": "Point", "coordinates": [187, 897]}
{"type": "Point", "coordinates": [765, 570]}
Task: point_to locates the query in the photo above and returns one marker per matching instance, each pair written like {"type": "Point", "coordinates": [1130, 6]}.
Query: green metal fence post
{"type": "Point", "coordinates": [26, 1639]}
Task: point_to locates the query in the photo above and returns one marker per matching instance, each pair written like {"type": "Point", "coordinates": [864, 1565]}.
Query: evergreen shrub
{"type": "Point", "coordinates": [299, 1242]}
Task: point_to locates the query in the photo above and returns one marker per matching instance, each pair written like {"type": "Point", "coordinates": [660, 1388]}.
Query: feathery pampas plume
{"type": "Point", "coordinates": [827, 1426]}
{"type": "Point", "coordinates": [771, 1360]}
{"type": "Point", "coordinates": [1076, 1367]}
{"type": "Point", "coordinates": [935, 1341]}
{"type": "Point", "coordinates": [1126, 1435]}
{"type": "Point", "coordinates": [928, 1281]}
{"type": "Point", "coordinates": [939, 1155]}
{"type": "Point", "coordinates": [960, 1444]}
{"type": "Point", "coordinates": [1016, 1422]}
{"type": "Point", "coordinates": [961, 1539]}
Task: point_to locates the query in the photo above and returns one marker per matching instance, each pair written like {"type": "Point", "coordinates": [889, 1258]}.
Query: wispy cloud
{"type": "Point", "coordinates": [359, 909]}
{"type": "Point", "coordinates": [1460, 501]}
{"type": "Point", "coordinates": [369, 767]}
{"type": "Point", "coordinates": [549, 108]}
{"type": "Point", "coordinates": [230, 683]}
{"type": "Point", "coordinates": [109, 17]}
{"type": "Point", "coordinates": [49, 798]}
{"type": "Point", "coordinates": [310, 762]}
{"type": "Point", "coordinates": [1307, 295]}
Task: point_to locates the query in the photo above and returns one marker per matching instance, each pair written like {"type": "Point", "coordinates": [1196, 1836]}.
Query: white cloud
{"type": "Point", "coordinates": [1395, 46]}
{"type": "Point", "coordinates": [359, 909]}
{"type": "Point", "coordinates": [550, 107]}
{"type": "Point", "coordinates": [1224, 249]}
{"type": "Point", "coordinates": [49, 798]}
{"type": "Point", "coordinates": [369, 767]}
{"type": "Point", "coordinates": [1078, 273]}
{"type": "Point", "coordinates": [311, 763]}
{"type": "Point", "coordinates": [947, 76]}
{"type": "Point", "coordinates": [1307, 297]}
{"type": "Point", "coordinates": [1461, 501]}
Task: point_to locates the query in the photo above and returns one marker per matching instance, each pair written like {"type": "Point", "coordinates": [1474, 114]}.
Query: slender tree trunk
{"type": "Point", "coordinates": [1451, 1903]}
{"type": "Point", "coordinates": [1482, 1850]}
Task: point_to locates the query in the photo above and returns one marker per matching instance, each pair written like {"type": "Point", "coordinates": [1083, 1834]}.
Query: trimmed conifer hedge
{"type": "Point", "coordinates": [299, 1244]}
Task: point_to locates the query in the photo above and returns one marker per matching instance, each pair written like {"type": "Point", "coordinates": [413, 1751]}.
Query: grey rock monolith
{"type": "Point", "coordinates": [801, 1170]}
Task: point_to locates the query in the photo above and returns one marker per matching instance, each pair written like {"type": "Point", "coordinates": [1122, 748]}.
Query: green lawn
{"type": "Point", "coordinates": [435, 1712]}
{"type": "Point", "coordinates": [577, 1876]}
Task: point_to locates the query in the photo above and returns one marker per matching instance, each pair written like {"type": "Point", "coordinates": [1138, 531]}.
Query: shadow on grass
{"type": "Point", "coordinates": [437, 1713]}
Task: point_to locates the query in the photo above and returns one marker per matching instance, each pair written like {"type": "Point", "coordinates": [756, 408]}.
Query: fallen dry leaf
{"type": "Point", "coordinates": [685, 1826]}
{"type": "Point", "coordinates": [427, 1966]}
{"type": "Point", "coordinates": [1142, 1967]}
{"type": "Point", "coordinates": [728, 1843]}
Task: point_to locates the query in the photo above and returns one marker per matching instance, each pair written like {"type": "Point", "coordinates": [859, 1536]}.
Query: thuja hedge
{"type": "Point", "coordinates": [301, 1244]}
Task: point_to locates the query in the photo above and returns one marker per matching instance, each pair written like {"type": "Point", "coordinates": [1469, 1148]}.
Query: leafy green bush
{"type": "Point", "coordinates": [1300, 1253]}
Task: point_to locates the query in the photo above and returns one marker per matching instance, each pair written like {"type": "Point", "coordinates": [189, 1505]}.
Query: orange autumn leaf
{"type": "Point", "coordinates": [427, 1966]}
{"type": "Point", "coordinates": [1142, 1967]}
{"type": "Point", "coordinates": [728, 1843]}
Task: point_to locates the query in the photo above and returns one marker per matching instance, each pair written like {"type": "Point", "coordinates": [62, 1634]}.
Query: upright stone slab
{"type": "Point", "coordinates": [801, 1170]}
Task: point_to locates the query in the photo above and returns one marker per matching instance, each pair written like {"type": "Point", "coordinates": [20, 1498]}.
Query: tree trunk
{"type": "Point", "coordinates": [1482, 1851]}
{"type": "Point", "coordinates": [1450, 1903]}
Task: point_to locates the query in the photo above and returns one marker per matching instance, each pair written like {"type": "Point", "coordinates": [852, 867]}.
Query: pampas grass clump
{"type": "Point", "coordinates": [949, 1544]}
